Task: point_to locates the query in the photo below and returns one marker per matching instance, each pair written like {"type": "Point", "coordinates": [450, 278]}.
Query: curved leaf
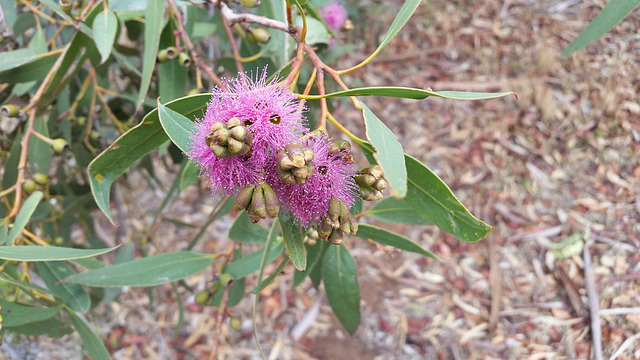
{"type": "Point", "coordinates": [410, 93]}
{"type": "Point", "coordinates": [396, 211]}
{"type": "Point", "coordinates": [247, 265]}
{"type": "Point", "coordinates": [386, 237]}
{"type": "Point", "coordinates": [244, 231]}
{"type": "Point", "coordinates": [74, 295]}
{"type": "Point", "coordinates": [48, 253]}
{"type": "Point", "coordinates": [17, 314]}
{"type": "Point", "coordinates": [91, 342]}
{"type": "Point", "coordinates": [133, 145]}
{"type": "Point", "coordinates": [612, 13]}
{"type": "Point", "coordinates": [105, 27]}
{"type": "Point", "coordinates": [148, 271]}
{"type": "Point", "coordinates": [293, 235]}
{"type": "Point", "coordinates": [389, 154]}
{"type": "Point", "coordinates": [271, 277]}
{"type": "Point", "coordinates": [340, 278]}
{"type": "Point", "coordinates": [154, 14]}
{"type": "Point", "coordinates": [22, 218]}
{"type": "Point", "coordinates": [178, 127]}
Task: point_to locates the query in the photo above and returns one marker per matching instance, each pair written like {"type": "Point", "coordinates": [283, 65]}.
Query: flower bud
{"type": "Point", "coordinates": [250, 3]}
{"type": "Point", "coordinates": [365, 179]}
{"type": "Point", "coordinates": [29, 186]}
{"type": "Point", "coordinates": [184, 59]}
{"type": "Point", "coordinates": [60, 144]}
{"type": "Point", "coordinates": [230, 139]}
{"type": "Point", "coordinates": [41, 178]}
{"type": "Point", "coordinates": [9, 110]}
{"type": "Point", "coordinates": [324, 229]}
{"type": "Point", "coordinates": [342, 150]}
{"type": "Point", "coordinates": [243, 199]}
{"type": "Point", "coordinates": [369, 194]}
{"type": "Point", "coordinates": [235, 323]}
{"type": "Point", "coordinates": [336, 237]}
{"type": "Point", "coordinates": [354, 225]}
{"type": "Point", "coordinates": [258, 36]}
{"type": "Point", "coordinates": [334, 213]}
{"type": "Point", "coordinates": [258, 208]}
{"type": "Point", "coordinates": [202, 297]}
{"type": "Point", "coordinates": [271, 201]}
{"type": "Point", "coordinates": [66, 5]}
{"type": "Point", "coordinates": [380, 184]}
{"type": "Point", "coordinates": [371, 182]}
{"type": "Point", "coordinates": [294, 164]}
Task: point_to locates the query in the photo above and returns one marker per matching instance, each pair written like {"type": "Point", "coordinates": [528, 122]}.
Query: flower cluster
{"type": "Point", "coordinates": [252, 144]}
{"type": "Point", "coordinates": [335, 15]}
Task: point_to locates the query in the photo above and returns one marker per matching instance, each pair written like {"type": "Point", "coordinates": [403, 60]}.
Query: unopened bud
{"type": "Point", "coordinates": [235, 323]}
{"type": "Point", "coordinates": [202, 297]}
{"type": "Point", "coordinates": [370, 194]}
{"type": "Point", "coordinates": [29, 186]}
{"type": "Point", "coordinates": [226, 280]}
{"type": "Point", "coordinates": [243, 199]}
{"type": "Point", "coordinates": [258, 207]}
{"type": "Point", "coordinates": [271, 201]}
{"type": "Point", "coordinates": [380, 184]}
{"type": "Point", "coordinates": [354, 225]}
{"type": "Point", "coordinates": [294, 164]}
{"type": "Point", "coordinates": [334, 212]}
{"type": "Point", "coordinates": [258, 36]}
{"type": "Point", "coordinates": [324, 229]}
{"type": "Point", "coordinates": [41, 178]}
{"type": "Point", "coordinates": [365, 179]}
{"type": "Point", "coordinates": [162, 56]}
{"type": "Point", "coordinates": [229, 139]}
{"type": "Point", "coordinates": [336, 237]}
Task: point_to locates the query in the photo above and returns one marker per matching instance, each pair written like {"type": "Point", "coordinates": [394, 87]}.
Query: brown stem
{"type": "Point", "coordinates": [323, 102]}
{"type": "Point", "coordinates": [234, 18]}
{"type": "Point", "coordinates": [192, 50]}
{"type": "Point", "coordinates": [234, 46]}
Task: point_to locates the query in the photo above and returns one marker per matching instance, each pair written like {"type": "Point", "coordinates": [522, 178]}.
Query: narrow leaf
{"type": "Point", "coordinates": [15, 58]}
{"type": "Point", "coordinates": [396, 211]}
{"type": "Point", "coordinates": [178, 127]}
{"type": "Point", "coordinates": [251, 263]}
{"type": "Point", "coordinates": [411, 93]}
{"type": "Point", "coordinates": [23, 217]}
{"type": "Point", "coordinates": [340, 278]}
{"type": "Point", "coordinates": [314, 264]}
{"type": "Point", "coordinates": [51, 327]}
{"type": "Point", "coordinates": [39, 155]}
{"type": "Point", "coordinates": [75, 296]}
{"type": "Point", "coordinates": [188, 175]}
{"type": "Point", "coordinates": [433, 199]}
{"type": "Point", "coordinates": [244, 231]}
{"type": "Point", "coordinates": [389, 154]}
{"type": "Point", "coordinates": [105, 27]}
{"type": "Point", "coordinates": [271, 277]}
{"type": "Point", "coordinates": [400, 20]}
{"type": "Point", "coordinates": [17, 314]}
{"type": "Point", "coordinates": [133, 145]}
{"type": "Point", "coordinates": [48, 253]}
{"type": "Point", "coordinates": [91, 342]}
{"type": "Point", "coordinates": [612, 13]}
{"type": "Point", "coordinates": [148, 271]}
{"type": "Point", "coordinates": [293, 235]}
{"type": "Point", "coordinates": [154, 15]}
{"type": "Point", "coordinates": [386, 237]}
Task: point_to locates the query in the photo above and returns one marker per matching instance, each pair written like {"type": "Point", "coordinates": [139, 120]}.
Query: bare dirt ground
{"type": "Point", "coordinates": [555, 172]}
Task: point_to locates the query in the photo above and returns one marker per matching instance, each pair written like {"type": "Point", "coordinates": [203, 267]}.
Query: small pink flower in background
{"type": "Point", "coordinates": [270, 112]}
{"type": "Point", "coordinates": [335, 15]}
{"type": "Point", "coordinates": [332, 177]}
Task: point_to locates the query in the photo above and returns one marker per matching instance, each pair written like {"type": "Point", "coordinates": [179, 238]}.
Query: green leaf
{"type": "Point", "coordinates": [16, 314]}
{"type": "Point", "coordinates": [9, 12]}
{"type": "Point", "coordinates": [236, 293]}
{"type": "Point", "coordinates": [149, 271]}
{"type": "Point", "coordinates": [39, 151]}
{"type": "Point", "coordinates": [340, 278]}
{"type": "Point", "coordinates": [612, 13]}
{"type": "Point", "coordinates": [105, 27]}
{"type": "Point", "coordinates": [386, 237]}
{"type": "Point", "coordinates": [293, 235]}
{"type": "Point", "coordinates": [314, 264]}
{"type": "Point", "coordinates": [133, 145]}
{"type": "Point", "coordinates": [91, 342]}
{"type": "Point", "coordinates": [271, 277]}
{"type": "Point", "coordinates": [34, 69]}
{"type": "Point", "coordinates": [22, 218]}
{"type": "Point", "coordinates": [48, 253]}
{"type": "Point", "coordinates": [23, 284]}
{"type": "Point", "coordinates": [317, 33]}
{"type": "Point", "coordinates": [75, 296]}
{"type": "Point", "coordinates": [411, 93]}
{"type": "Point", "coordinates": [178, 127]}
{"type": "Point", "coordinates": [188, 175]}
{"type": "Point", "coordinates": [433, 199]}
{"type": "Point", "coordinates": [396, 211]}
{"type": "Point", "coordinates": [244, 231]}
{"type": "Point", "coordinates": [153, 24]}
{"type": "Point", "coordinates": [52, 327]}
{"type": "Point", "coordinates": [15, 58]}
{"type": "Point", "coordinates": [251, 263]}
{"type": "Point", "coordinates": [389, 154]}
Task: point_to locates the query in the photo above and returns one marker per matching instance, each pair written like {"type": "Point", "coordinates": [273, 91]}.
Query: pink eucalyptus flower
{"type": "Point", "coordinates": [332, 177]}
{"type": "Point", "coordinates": [335, 15]}
{"type": "Point", "coordinates": [269, 111]}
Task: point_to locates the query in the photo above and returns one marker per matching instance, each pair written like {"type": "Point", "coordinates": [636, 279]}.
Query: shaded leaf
{"type": "Point", "coordinates": [244, 231]}
{"type": "Point", "coordinates": [14, 314]}
{"type": "Point", "coordinates": [178, 127]}
{"type": "Point", "coordinates": [149, 271]}
{"type": "Point", "coordinates": [51, 327]}
{"type": "Point", "coordinates": [75, 296]}
{"type": "Point", "coordinates": [314, 265]}
{"type": "Point", "coordinates": [251, 263]}
{"type": "Point", "coordinates": [22, 219]}
{"type": "Point", "coordinates": [396, 211]}
{"type": "Point", "coordinates": [389, 154]}
{"type": "Point", "coordinates": [612, 13]}
{"type": "Point", "coordinates": [15, 58]}
{"type": "Point", "coordinates": [340, 278]}
{"type": "Point", "coordinates": [48, 253]}
{"type": "Point", "coordinates": [399, 21]}
{"type": "Point", "coordinates": [90, 341]}
{"type": "Point", "coordinates": [386, 237]}
{"type": "Point", "coordinates": [39, 155]}
{"type": "Point", "coordinates": [133, 145]}
{"type": "Point", "coordinates": [293, 235]}
{"type": "Point", "coordinates": [105, 27]}
{"type": "Point", "coordinates": [411, 93]}
{"type": "Point", "coordinates": [188, 175]}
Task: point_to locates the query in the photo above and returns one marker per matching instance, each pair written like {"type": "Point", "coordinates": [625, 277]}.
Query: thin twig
{"type": "Point", "coordinates": [594, 307]}
{"type": "Point", "coordinates": [234, 46]}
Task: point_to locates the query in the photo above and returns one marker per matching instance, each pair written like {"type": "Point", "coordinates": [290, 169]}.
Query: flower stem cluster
{"type": "Point", "coordinates": [370, 182]}
{"type": "Point", "coordinates": [230, 139]}
{"type": "Point", "coordinates": [258, 200]}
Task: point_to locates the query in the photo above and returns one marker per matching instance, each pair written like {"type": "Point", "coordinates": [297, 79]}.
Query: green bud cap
{"type": "Point", "coordinates": [202, 297]}
{"type": "Point", "coordinates": [295, 154]}
{"type": "Point", "coordinates": [216, 126]}
{"type": "Point", "coordinates": [258, 206]}
{"type": "Point", "coordinates": [184, 59]}
{"type": "Point", "coordinates": [324, 229]}
{"type": "Point", "coordinates": [235, 146]}
{"type": "Point", "coordinates": [334, 213]}
{"type": "Point", "coordinates": [369, 194]}
{"type": "Point", "coordinates": [374, 170]}
{"type": "Point", "coordinates": [162, 56]}
{"type": "Point", "coordinates": [243, 199]}
{"type": "Point", "coordinates": [284, 162]}
{"type": "Point", "coordinates": [380, 185]}
{"type": "Point", "coordinates": [226, 280]}
{"type": "Point", "coordinates": [172, 52]}
{"type": "Point", "coordinates": [66, 5]}
{"type": "Point", "coordinates": [308, 154]}
{"type": "Point", "coordinates": [235, 323]}
{"type": "Point", "coordinates": [250, 3]}
{"type": "Point", "coordinates": [365, 179]}
{"type": "Point", "coordinates": [80, 121]}
{"type": "Point", "coordinates": [221, 151]}
{"type": "Point", "coordinates": [9, 110]}
{"type": "Point", "coordinates": [239, 133]}
{"type": "Point", "coordinates": [258, 36]}
{"type": "Point", "coordinates": [41, 178]}
{"type": "Point", "coordinates": [271, 200]}
{"type": "Point", "coordinates": [29, 186]}
{"type": "Point", "coordinates": [60, 144]}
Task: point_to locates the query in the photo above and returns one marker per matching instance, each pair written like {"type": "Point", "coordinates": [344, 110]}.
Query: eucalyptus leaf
{"type": "Point", "coordinates": [14, 314]}
{"type": "Point", "coordinates": [293, 235]}
{"type": "Point", "coordinates": [105, 27]}
{"type": "Point", "coordinates": [244, 231]}
{"type": "Point", "coordinates": [386, 237]}
{"type": "Point", "coordinates": [340, 278]}
{"type": "Point", "coordinates": [75, 296]}
{"type": "Point", "coordinates": [90, 341]}
{"type": "Point", "coordinates": [178, 127]}
{"type": "Point", "coordinates": [154, 16]}
{"type": "Point", "coordinates": [48, 253]}
{"type": "Point", "coordinates": [396, 211]}
{"type": "Point", "coordinates": [411, 93]}
{"type": "Point", "coordinates": [22, 219]}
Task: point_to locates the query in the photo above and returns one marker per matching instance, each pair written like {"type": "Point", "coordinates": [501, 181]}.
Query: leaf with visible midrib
{"type": "Point", "coordinates": [177, 126]}
{"type": "Point", "coordinates": [386, 237]}
{"type": "Point", "coordinates": [340, 277]}
{"type": "Point", "coordinates": [396, 211]}
{"type": "Point", "coordinates": [48, 253]}
{"type": "Point", "coordinates": [105, 27]}
{"type": "Point", "coordinates": [293, 239]}
{"type": "Point", "coordinates": [74, 295]}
